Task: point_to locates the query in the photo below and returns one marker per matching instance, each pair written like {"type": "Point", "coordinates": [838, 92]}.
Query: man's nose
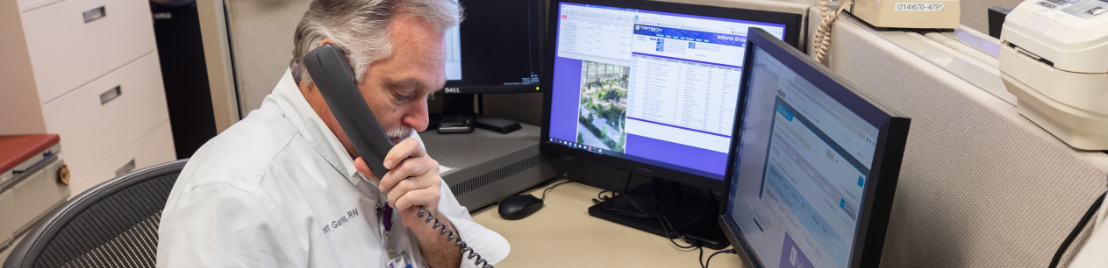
{"type": "Point", "coordinates": [416, 116]}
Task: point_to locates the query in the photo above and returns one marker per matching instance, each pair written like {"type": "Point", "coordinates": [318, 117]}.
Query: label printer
{"type": "Point", "coordinates": [1054, 58]}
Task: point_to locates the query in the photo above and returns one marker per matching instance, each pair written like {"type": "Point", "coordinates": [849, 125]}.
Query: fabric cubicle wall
{"type": "Point", "coordinates": [260, 34]}
{"type": "Point", "coordinates": [980, 186]}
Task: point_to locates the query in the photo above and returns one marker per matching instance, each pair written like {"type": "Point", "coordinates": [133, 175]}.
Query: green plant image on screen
{"type": "Point", "coordinates": [602, 114]}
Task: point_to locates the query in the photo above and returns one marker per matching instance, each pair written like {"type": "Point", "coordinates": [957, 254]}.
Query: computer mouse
{"type": "Point", "coordinates": [519, 206]}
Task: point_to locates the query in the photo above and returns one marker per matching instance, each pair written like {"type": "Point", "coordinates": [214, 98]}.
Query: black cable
{"type": "Point", "coordinates": [704, 264]}
{"type": "Point", "coordinates": [627, 184]}
{"type": "Point", "coordinates": [1076, 231]}
{"type": "Point", "coordinates": [667, 226]}
{"type": "Point", "coordinates": [701, 258]}
{"type": "Point", "coordinates": [663, 221]}
{"type": "Point", "coordinates": [600, 196]}
{"type": "Point", "coordinates": [552, 188]}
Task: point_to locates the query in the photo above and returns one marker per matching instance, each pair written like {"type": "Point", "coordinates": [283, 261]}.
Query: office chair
{"type": "Point", "coordinates": [114, 224]}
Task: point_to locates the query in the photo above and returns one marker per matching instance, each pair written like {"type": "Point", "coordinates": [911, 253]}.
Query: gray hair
{"type": "Point", "coordinates": [359, 28]}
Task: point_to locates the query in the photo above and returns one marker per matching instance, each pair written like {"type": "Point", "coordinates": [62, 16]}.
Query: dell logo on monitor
{"type": "Point", "coordinates": [450, 90]}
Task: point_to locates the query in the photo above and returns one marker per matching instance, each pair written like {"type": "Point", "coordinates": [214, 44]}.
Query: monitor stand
{"type": "Point", "coordinates": [691, 215]}
{"type": "Point", "coordinates": [457, 114]}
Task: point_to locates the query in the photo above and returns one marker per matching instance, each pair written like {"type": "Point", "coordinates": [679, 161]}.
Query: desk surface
{"type": "Point", "coordinates": [562, 234]}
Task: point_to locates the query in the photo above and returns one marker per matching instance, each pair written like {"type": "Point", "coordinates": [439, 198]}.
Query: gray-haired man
{"type": "Point", "coordinates": [285, 188]}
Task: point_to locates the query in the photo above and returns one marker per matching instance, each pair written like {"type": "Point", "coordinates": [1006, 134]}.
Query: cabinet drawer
{"type": "Point", "coordinates": [29, 199]}
{"type": "Point", "coordinates": [38, 194]}
{"type": "Point", "coordinates": [153, 148]}
{"type": "Point", "coordinates": [66, 51]}
{"type": "Point", "coordinates": [8, 224]}
{"type": "Point", "coordinates": [102, 117]}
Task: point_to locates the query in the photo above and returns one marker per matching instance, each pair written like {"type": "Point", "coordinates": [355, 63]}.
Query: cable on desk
{"type": "Point", "coordinates": [704, 264]}
{"type": "Point", "coordinates": [662, 219]}
{"type": "Point", "coordinates": [552, 188]}
{"type": "Point", "coordinates": [667, 226]}
{"type": "Point", "coordinates": [672, 239]}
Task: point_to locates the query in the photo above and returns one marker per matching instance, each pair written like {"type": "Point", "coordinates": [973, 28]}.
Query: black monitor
{"type": "Point", "coordinates": [496, 49]}
{"type": "Point", "coordinates": [814, 169]}
{"type": "Point", "coordinates": [651, 88]}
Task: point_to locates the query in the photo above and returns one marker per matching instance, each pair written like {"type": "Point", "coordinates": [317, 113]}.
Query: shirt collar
{"type": "Point", "coordinates": [288, 97]}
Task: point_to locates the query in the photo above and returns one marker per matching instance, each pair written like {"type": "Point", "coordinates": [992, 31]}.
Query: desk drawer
{"type": "Point", "coordinates": [153, 148]}
{"type": "Point", "coordinates": [66, 51]}
{"type": "Point", "coordinates": [102, 117]}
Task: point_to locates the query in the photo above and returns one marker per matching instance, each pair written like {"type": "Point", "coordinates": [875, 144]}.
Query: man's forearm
{"type": "Point", "coordinates": [438, 252]}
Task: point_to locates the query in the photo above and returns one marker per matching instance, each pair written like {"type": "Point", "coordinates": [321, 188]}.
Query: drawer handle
{"type": "Point", "coordinates": [110, 95]}
{"type": "Point", "coordinates": [94, 14]}
{"type": "Point", "coordinates": [126, 168]}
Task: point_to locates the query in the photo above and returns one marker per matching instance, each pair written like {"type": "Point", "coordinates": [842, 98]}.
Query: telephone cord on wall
{"type": "Point", "coordinates": [821, 42]}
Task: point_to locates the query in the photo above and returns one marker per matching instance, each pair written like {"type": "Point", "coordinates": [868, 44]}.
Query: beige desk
{"type": "Point", "coordinates": [562, 234]}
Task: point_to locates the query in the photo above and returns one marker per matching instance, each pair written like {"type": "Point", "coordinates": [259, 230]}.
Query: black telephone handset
{"type": "Point", "coordinates": [335, 80]}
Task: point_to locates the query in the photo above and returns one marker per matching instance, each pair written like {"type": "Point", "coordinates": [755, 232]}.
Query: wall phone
{"type": "Point", "coordinates": [913, 14]}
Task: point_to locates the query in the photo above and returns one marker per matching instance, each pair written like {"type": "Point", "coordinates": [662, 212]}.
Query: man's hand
{"type": "Point", "coordinates": [413, 182]}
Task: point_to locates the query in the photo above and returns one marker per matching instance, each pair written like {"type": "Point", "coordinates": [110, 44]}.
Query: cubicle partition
{"type": "Point", "coordinates": [980, 185]}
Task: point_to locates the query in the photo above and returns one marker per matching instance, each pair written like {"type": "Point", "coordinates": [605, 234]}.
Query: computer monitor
{"type": "Point", "coordinates": [496, 49]}
{"type": "Point", "coordinates": [651, 87]}
{"type": "Point", "coordinates": [814, 169]}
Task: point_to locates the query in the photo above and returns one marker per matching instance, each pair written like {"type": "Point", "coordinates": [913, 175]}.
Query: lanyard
{"type": "Point", "coordinates": [394, 258]}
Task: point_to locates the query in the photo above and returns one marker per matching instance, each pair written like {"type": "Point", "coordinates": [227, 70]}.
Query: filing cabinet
{"type": "Point", "coordinates": [88, 71]}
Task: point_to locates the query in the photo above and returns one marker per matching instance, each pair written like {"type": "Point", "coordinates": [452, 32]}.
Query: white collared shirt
{"type": "Point", "coordinates": [277, 189]}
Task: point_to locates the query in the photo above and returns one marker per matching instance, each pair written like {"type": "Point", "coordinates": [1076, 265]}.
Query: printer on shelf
{"type": "Point", "coordinates": [1054, 58]}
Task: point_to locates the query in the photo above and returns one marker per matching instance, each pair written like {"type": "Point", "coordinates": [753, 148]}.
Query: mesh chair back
{"type": "Point", "coordinates": [114, 224]}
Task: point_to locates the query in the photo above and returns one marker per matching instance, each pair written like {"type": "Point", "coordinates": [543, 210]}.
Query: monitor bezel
{"type": "Point", "coordinates": [791, 35]}
{"type": "Point", "coordinates": [880, 188]}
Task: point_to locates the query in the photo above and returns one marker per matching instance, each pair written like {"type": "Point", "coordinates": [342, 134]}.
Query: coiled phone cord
{"type": "Point", "coordinates": [821, 42]}
{"type": "Point", "coordinates": [451, 236]}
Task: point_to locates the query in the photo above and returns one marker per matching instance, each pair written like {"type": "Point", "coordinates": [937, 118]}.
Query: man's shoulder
{"type": "Point", "coordinates": [241, 154]}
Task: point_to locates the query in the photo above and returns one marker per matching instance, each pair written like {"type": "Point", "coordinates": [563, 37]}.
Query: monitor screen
{"type": "Point", "coordinates": [652, 87]}
{"type": "Point", "coordinates": [805, 162]}
{"type": "Point", "coordinates": [495, 49]}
